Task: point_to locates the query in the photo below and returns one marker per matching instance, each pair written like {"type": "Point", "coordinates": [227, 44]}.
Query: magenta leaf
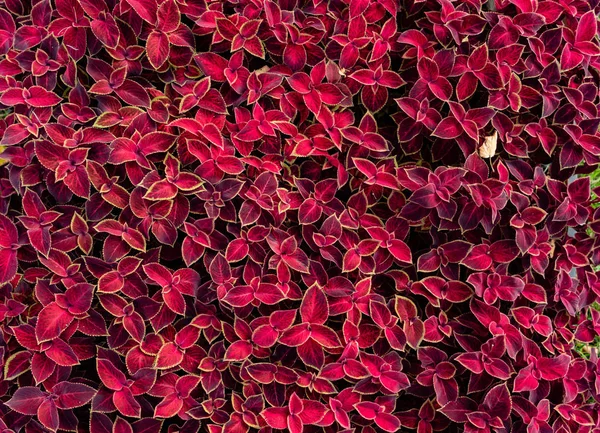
{"type": "Point", "coordinates": [299, 216]}
{"type": "Point", "coordinates": [72, 395]}
{"type": "Point", "coordinates": [27, 400]}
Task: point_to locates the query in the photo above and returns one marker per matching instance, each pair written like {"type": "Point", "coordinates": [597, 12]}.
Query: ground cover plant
{"type": "Point", "coordinates": [311, 216]}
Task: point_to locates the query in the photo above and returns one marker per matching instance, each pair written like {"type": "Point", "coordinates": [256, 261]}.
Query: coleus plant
{"type": "Point", "coordinates": [299, 215]}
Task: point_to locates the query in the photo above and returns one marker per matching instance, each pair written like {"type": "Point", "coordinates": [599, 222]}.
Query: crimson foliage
{"type": "Point", "coordinates": [350, 215]}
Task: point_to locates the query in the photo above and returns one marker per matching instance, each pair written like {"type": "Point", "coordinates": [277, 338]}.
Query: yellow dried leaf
{"type": "Point", "coordinates": [488, 148]}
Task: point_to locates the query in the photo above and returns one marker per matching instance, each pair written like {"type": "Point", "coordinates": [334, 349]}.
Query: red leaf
{"type": "Point", "coordinates": [40, 97]}
{"type": "Point", "coordinates": [158, 273]}
{"type": "Point", "coordinates": [146, 9]}
{"type": "Point", "coordinates": [8, 265]}
{"type": "Point", "coordinates": [72, 395]}
{"type": "Point", "coordinates": [169, 407]}
{"type": "Point", "coordinates": [314, 308]}
{"type": "Point", "coordinates": [276, 417]}
{"type": "Point", "coordinates": [17, 364]}
{"type": "Point", "coordinates": [219, 269]}
{"type": "Point", "coordinates": [50, 155]}
{"type": "Point", "coordinates": [121, 426]}
{"type": "Point", "coordinates": [61, 353]}
{"type": "Point", "coordinates": [41, 367]}
{"type": "Point", "coordinates": [309, 212]}
{"type": "Point", "coordinates": [156, 142]}
{"type": "Point", "coordinates": [236, 250]}
{"type": "Point", "coordinates": [387, 422]}
{"type": "Point", "coordinates": [400, 251]}
{"type": "Point", "coordinates": [52, 321]}
{"type": "Point", "coordinates": [161, 190]}
{"type": "Point", "coordinates": [239, 296]}
{"type": "Point", "coordinates": [26, 400]}
{"type": "Point", "coordinates": [78, 182]}
{"type": "Point", "coordinates": [47, 414]}
{"type": "Point", "coordinates": [169, 356]}
{"type": "Point", "coordinates": [126, 403]}
{"type": "Point", "coordinates": [106, 30]}
{"type": "Point", "coordinates": [158, 48]}
{"type": "Point", "coordinates": [110, 376]}
{"type": "Point", "coordinates": [448, 128]}
{"type": "Point", "coordinates": [168, 16]}
{"type": "Point", "coordinates": [133, 93]}
{"type": "Point", "coordinates": [212, 65]}
{"type": "Point", "coordinates": [174, 300]}
{"type": "Point", "coordinates": [238, 351]}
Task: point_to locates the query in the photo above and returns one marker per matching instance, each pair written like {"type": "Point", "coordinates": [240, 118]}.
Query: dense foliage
{"type": "Point", "coordinates": [253, 215]}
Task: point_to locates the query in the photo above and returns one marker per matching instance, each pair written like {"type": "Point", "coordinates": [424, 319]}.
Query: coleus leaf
{"type": "Point", "coordinates": [219, 191]}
